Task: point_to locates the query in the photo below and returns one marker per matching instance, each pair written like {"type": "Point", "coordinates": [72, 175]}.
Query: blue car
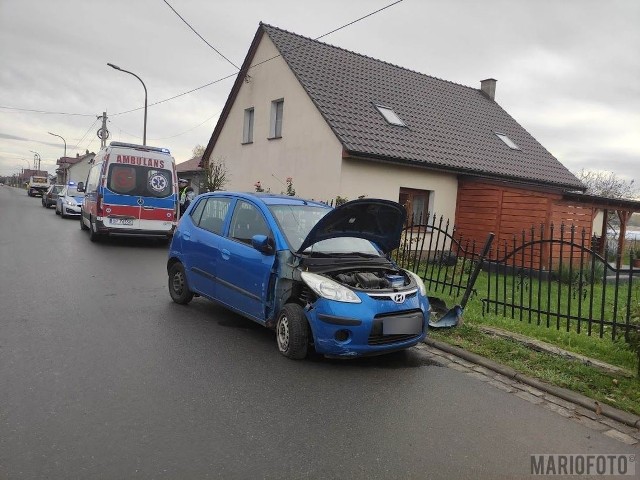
{"type": "Point", "coordinates": [318, 276]}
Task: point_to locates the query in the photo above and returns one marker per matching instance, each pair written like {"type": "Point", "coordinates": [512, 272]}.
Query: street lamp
{"type": "Point", "coordinates": [65, 142]}
{"type": "Point", "coordinates": [144, 134]}
{"type": "Point", "coordinates": [36, 157]}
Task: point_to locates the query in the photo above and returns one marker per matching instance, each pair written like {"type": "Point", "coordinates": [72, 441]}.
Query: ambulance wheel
{"type": "Point", "coordinates": [82, 225]}
{"type": "Point", "coordinates": [178, 288]}
{"type": "Point", "coordinates": [93, 235]}
{"type": "Point", "coordinates": [292, 332]}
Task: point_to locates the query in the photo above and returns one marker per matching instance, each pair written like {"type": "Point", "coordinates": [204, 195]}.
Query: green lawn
{"type": "Point", "coordinates": [618, 391]}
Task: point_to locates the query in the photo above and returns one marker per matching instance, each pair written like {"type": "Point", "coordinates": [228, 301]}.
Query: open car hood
{"type": "Point", "coordinates": [376, 220]}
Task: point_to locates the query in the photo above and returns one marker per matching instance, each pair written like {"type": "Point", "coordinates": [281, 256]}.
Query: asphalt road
{"type": "Point", "coordinates": [103, 376]}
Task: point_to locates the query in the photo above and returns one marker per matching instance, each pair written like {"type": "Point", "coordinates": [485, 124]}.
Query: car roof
{"type": "Point", "coordinates": [270, 198]}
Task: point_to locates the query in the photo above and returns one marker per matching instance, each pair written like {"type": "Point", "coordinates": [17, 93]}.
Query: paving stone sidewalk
{"type": "Point", "coordinates": [619, 425]}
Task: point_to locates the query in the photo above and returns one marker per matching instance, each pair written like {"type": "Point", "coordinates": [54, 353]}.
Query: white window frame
{"type": "Point", "coordinates": [247, 130]}
{"type": "Point", "coordinates": [277, 112]}
{"type": "Point", "coordinates": [390, 116]}
{"type": "Point", "coordinates": [507, 141]}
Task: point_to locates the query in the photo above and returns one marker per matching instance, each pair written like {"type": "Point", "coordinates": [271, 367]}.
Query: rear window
{"type": "Point", "coordinates": [139, 181]}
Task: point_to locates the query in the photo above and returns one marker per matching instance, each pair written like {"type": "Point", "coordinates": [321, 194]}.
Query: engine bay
{"type": "Point", "coordinates": [373, 279]}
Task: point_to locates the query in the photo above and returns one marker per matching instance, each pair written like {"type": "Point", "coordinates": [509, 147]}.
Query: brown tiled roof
{"type": "Point", "coordinates": [449, 126]}
{"type": "Point", "coordinates": [189, 166]}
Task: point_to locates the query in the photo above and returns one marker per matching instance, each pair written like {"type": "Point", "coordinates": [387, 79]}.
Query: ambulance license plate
{"type": "Point", "coordinates": [121, 221]}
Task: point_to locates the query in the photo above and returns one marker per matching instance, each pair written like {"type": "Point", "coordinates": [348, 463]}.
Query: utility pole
{"type": "Point", "coordinates": [103, 133]}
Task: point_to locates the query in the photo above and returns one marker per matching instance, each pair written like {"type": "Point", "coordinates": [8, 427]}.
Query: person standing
{"type": "Point", "coordinates": [182, 189]}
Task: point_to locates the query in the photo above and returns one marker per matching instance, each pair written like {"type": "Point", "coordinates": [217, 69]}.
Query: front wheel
{"type": "Point", "coordinates": [292, 332]}
{"type": "Point", "coordinates": [178, 287]}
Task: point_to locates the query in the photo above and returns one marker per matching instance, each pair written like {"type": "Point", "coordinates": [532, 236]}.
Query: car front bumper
{"type": "Point", "coordinates": [373, 327]}
{"type": "Point", "coordinates": [70, 209]}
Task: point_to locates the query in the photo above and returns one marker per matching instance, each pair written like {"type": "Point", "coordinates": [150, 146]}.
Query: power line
{"type": "Point", "coordinates": [86, 133]}
{"type": "Point", "coordinates": [201, 37]}
{"type": "Point", "coordinates": [358, 19]}
{"type": "Point", "coordinates": [210, 83]}
{"type": "Point", "coordinates": [263, 62]}
{"type": "Point", "coordinates": [45, 112]}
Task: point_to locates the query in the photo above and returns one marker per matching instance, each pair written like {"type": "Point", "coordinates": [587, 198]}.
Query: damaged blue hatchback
{"type": "Point", "coordinates": [320, 277]}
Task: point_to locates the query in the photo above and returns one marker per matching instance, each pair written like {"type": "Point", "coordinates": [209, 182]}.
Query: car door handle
{"type": "Point", "coordinates": [226, 254]}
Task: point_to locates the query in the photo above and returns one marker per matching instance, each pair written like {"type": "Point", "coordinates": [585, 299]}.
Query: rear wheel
{"type": "Point", "coordinates": [94, 236]}
{"type": "Point", "coordinates": [82, 225]}
{"type": "Point", "coordinates": [292, 332]}
{"type": "Point", "coordinates": [178, 288]}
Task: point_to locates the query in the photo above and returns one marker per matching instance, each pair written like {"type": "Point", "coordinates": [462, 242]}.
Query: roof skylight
{"type": "Point", "coordinates": [510, 143]}
{"type": "Point", "coordinates": [390, 116]}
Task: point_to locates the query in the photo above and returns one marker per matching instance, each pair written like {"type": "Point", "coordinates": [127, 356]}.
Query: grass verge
{"type": "Point", "coordinates": [615, 390]}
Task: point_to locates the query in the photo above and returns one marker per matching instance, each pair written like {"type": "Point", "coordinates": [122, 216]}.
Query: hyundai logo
{"type": "Point", "coordinates": [398, 297]}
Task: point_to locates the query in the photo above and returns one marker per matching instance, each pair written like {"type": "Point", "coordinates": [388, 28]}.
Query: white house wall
{"type": "Point", "coordinates": [383, 180]}
{"type": "Point", "coordinates": [78, 172]}
{"type": "Point", "coordinates": [308, 151]}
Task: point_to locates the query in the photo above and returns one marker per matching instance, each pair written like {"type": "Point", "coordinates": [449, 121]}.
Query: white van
{"type": "Point", "coordinates": [131, 190]}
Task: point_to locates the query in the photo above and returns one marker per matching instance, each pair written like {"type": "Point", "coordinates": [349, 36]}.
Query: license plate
{"type": "Point", "coordinates": [402, 325]}
{"type": "Point", "coordinates": [121, 221]}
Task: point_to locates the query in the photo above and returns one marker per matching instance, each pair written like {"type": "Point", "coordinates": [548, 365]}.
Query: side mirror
{"type": "Point", "coordinates": [80, 187]}
{"type": "Point", "coordinates": [263, 244]}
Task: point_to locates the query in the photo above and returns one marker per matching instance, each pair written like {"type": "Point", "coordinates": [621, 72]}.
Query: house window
{"type": "Point", "coordinates": [416, 203]}
{"type": "Point", "coordinates": [390, 116]}
{"type": "Point", "coordinates": [277, 108]}
{"type": "Point", "coordinates": [247, 131]}
{"type": "Point", "coordinates": [510, 143]}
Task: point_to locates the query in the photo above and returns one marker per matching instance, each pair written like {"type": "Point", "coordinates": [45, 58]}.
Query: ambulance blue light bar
{"type": "Point", "coordinates": [140, 147]}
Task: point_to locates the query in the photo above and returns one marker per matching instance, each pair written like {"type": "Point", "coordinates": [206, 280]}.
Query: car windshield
{"type": "Point", "coordinates": [296, 221]}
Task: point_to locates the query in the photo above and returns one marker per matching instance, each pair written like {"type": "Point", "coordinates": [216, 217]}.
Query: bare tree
{"type": "Point", "coordinates": [216, 174]}
{"type": "Point", "coordinates": [607, 184]}
{"type": "Point", "coordinates": [197, 151]}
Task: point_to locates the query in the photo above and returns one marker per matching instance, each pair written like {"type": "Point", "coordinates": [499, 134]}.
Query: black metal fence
{"type": "Point", "coordinates": [554, 278]}
{"type": "Point", "coordinates": [448, 263]}
{"type": "Point", "coordinates": [551, 278]}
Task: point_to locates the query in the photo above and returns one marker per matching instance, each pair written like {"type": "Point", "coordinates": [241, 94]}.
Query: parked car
{"type": "Point", "coordinates": [320, 277]}
{"type": "Point", "coordinates": [69, 201]}
{"type": "Point", "coordinates": [50, 197]}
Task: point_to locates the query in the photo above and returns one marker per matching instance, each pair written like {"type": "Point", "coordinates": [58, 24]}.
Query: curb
{"type": "Point", "coordinates": [621, 416]}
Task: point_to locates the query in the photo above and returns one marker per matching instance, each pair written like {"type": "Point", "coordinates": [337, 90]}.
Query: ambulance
{"type": "Point", "coordinates": [131, 190]}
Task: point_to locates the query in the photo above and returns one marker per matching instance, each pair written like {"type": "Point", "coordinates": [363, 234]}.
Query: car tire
{"type": "Point", "coordinates": [62, 215]}
{"type": "Point", "coordinates": [93, 235]}
{"type": "Point", "coordinates": [82, 225]}
{"type": "Point", "coordinates": [292, 332]}
{"type": "Point", "coordinates": [178, 287]}
{"type": "Point", "coordinates": [57, 212]}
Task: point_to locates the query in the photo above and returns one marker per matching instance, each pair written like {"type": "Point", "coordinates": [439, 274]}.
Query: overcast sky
{"type": "Point", "coordinates": [567, 70]}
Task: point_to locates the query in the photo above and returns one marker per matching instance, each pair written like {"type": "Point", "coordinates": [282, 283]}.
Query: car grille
{"type": "Point", "coordinates": [389, 296]}
{"type": "Point", "coordinates": [377, 338]}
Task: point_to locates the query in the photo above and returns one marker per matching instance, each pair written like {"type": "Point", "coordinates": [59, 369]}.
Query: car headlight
{"type": "Point", "coordinates": [71, 203]}
{"type": "Point", "coordinates": [421, 287]}
{"type": "Point", "coordinates": [327, 288]}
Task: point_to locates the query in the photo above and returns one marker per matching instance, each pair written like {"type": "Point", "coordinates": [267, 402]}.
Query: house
{"type": "Point", "coordinates": [72, 169]}
{"type": "Point", "coordinates": [193, 172]}
{"type": "Point", "coordinates": [342, 124]}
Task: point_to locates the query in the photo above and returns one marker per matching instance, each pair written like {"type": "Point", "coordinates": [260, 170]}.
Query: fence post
{"type": "Point", "coordinates": [476, 270]}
